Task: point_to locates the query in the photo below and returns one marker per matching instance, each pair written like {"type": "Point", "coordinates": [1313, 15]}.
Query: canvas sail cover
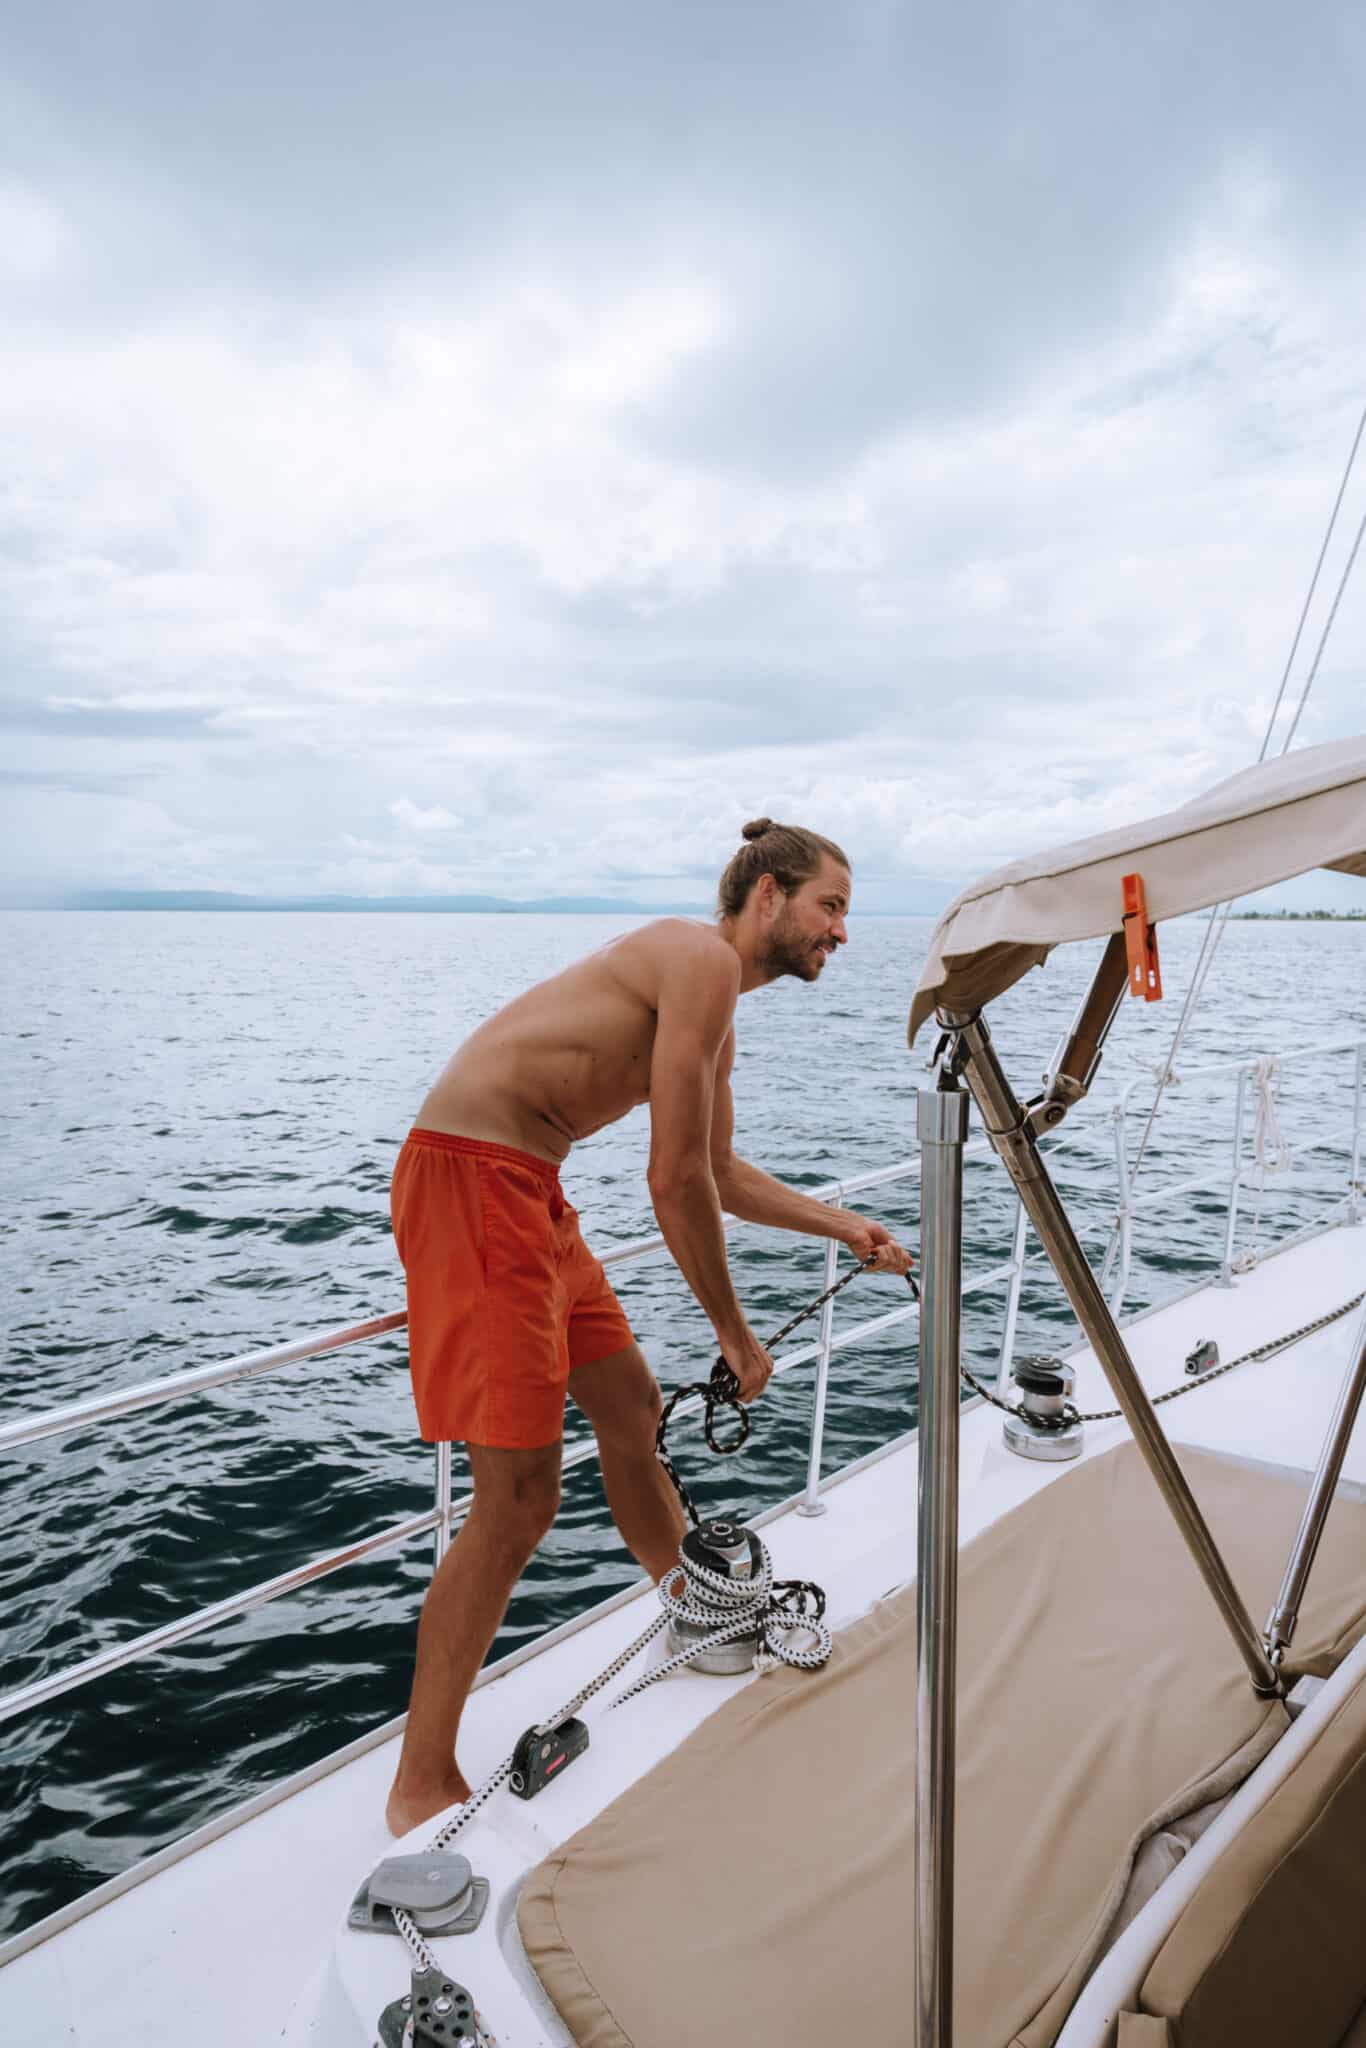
{"type": "Point", "coordinates": [756, 1890]}
{"type": "Point", "coordinates": [1265, 825]}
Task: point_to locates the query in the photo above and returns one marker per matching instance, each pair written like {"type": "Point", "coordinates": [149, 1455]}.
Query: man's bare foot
{"type": "Point", "coordinates": [407, 1809]}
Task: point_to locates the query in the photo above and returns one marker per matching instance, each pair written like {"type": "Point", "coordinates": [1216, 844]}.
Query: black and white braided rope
{"type": "Point", "coordinates": [722, 1391]}
{"type": "Point", "coordinates": [772, 1610]}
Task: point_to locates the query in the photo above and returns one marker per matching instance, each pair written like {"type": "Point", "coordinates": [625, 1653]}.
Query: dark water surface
{"type": "Point", "coordinates": [200, 1115]}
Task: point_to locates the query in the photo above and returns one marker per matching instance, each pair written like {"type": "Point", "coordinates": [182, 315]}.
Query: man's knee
{"type": "Point", "coordinates": [621, 1398]}
{"type": "Point", "coordinates": [530, 1509]}
{"type": "Point", "coordinates": [517, 1497]}
{"type": "Point", "coordinates": [648, 1402]}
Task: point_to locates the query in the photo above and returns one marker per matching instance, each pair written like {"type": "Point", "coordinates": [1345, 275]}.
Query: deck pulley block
{"type": "Point", "coordinates": [437, 1888]}
{"type": "Point", "coordinates": [439, 2011]}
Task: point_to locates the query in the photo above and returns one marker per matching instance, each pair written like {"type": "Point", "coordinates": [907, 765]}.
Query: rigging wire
{"type": "Point", "coordinates": [1219, 916]}
{"type": "Point", "coordinates": [1323, 642]}
{"type": "Point", "coordinates": [1309, 599]}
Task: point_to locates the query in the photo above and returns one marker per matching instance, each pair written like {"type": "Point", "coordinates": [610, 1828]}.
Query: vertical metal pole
{"type": "Point", "coordinates": [1231, 1228]}
{"type": "Point", "coordinates": [1284, 1615]}
{"type": "Point", "coordinates": [941, 1117]}
{"type": "Point", "coordinates": [811, 1502]}
{"type": "Point", "coordinates": [1017, 1260]}
{"type": "Point", "coordinates": [1354, 1184]}
{"type": "Point", "coordinates": [442, 1539]}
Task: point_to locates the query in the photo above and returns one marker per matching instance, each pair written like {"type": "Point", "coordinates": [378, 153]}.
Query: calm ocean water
{"type": "Point", "coordinates": [201, 1113]}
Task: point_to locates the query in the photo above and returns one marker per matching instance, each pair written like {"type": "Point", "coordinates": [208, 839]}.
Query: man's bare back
{"type": "Point", "coordinates": [574, 1053]}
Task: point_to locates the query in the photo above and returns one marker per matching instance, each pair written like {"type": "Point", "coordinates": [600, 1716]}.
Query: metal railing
{"type": "Point", "coordinates": [442, 1519]}
{"type": "Point", "coordinates": [1233, 1176]}
{"type": "Point", "coordinates": [446, 1514]}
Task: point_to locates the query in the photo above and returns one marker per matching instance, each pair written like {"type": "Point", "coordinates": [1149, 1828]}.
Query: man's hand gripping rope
{"type": "Point", "coordinates": [722, 1390]}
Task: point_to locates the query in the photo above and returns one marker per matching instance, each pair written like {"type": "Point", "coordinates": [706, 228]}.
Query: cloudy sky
{"type": "Point", "coordinates": [502, 448]}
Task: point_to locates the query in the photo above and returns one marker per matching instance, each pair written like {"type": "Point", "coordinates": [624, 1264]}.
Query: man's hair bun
{"type": "Point", "coordinates": [756, 828]}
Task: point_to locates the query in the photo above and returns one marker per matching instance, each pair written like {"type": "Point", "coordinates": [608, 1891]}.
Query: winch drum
{"type": "Point", "coordinates": [733, 1552]}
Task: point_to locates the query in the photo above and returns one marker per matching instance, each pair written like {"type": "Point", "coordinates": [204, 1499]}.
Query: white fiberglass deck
{"type": "Point", "coordinates": [224, 1945]}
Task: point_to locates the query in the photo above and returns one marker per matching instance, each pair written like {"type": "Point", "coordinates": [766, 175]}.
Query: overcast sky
{"type": "Point", "coordinates": [503, 448]}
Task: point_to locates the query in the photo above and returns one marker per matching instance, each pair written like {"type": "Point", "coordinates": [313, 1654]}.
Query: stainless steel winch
{"type": "Point", "coordinates": [725, 1550]}
{"type": "Point", "coordinates": [1045, 1425]}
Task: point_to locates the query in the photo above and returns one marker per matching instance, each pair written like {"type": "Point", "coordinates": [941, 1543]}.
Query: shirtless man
{"type": "Point", "coordinates": [506, 1306]}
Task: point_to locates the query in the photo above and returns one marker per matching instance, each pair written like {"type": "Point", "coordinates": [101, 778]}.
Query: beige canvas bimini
{"type": "Point", "coordinates": [1279, 819]}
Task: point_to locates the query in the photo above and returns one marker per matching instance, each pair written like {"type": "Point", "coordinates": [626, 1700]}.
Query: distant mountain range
{"type": "Point", "coordinates": [220, 899]}
{"type": "Point", "coordinates": [217, 899]}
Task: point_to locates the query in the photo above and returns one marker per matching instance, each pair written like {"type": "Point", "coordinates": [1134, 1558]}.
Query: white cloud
{"type": "Point", "coordinates": [413, 818]}
{"type": "Point", "coordinates": [470, 534]}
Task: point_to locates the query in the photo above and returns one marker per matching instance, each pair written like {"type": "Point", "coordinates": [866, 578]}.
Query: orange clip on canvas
{"type": "Point", "coordinates": [1140, 938]}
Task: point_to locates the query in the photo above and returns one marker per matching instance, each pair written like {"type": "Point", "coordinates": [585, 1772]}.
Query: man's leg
{"type": "Point", "coordinates": [516, 1494]}
{"type": "Point", "coordinates": [620, 1397]}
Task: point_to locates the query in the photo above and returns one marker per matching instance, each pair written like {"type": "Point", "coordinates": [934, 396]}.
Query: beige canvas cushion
{"type": "Point", "coordinates": [755, 1889]}
{"type": "Point", "coordinates": [1272, 1947]}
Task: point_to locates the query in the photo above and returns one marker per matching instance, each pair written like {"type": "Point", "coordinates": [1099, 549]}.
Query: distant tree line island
{"type": "Point", "coordinates": [1304, 916]}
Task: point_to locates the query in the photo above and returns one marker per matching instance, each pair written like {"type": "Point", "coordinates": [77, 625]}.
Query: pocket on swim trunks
{"type": "Point", "coordinates": [519, 1240]}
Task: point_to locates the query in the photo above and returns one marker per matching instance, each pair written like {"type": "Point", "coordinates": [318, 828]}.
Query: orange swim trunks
{"type": "Point", "coordinates": [505, 1299]}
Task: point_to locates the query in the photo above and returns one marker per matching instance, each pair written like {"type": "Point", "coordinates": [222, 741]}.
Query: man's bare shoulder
{"type": "Point", "coordinates": [658, 952]}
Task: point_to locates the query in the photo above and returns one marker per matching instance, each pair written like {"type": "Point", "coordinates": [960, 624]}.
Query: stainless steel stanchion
{"type": "Point", "coordinates": [1284, 1615]}
{"type": "Point", "coordinates": [942, 1117]}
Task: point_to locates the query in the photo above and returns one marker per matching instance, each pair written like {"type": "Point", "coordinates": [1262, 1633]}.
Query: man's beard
{"type": "Point", "coordinates": [787, 951]}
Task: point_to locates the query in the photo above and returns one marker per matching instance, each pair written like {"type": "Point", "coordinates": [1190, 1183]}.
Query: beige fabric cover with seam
{"type": "Point", "coordinates": [754, 1889]}
{"type": "Point", "coordinates": [1139, 2030]}
{"type": "Point", "coordinates": [1271, 1948]}
{"type": "Point", "coordinates": [1305, 810]}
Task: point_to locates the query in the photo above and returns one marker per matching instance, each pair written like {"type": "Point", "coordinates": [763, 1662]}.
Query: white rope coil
{"type": "Point", "coordinates": [739, 1607]}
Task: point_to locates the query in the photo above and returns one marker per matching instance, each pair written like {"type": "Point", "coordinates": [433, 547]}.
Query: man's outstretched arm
{"type": "Point", "coordinates": [756, 1197]}
{"type": "Point", "coordinates": [698, 987]}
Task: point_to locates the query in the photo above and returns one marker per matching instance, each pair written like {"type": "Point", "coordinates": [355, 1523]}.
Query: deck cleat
{"type": "Point", "coordinates": [1045, 1425]}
